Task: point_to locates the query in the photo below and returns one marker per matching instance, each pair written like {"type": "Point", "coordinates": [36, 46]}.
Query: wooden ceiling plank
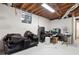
{"type": "Point", "coordinates": [39, 11]}
{"type": "Point", "coordinates": [57, 10]}
{"type": "Point", "coordinates": [30, 7]}
{"type": "Point", "coordinates": [17, 5]}
{"type": "Point", "coordinates": [60, 5]}
{"type": "Point", "coordinates": [23, 5]}
{"type": "Point", "coordinates": [67, 6]}
{"type": "Point", "coordinates": [35, 9]}
{"type": "Point", "coordinates": [45, 14]}
{"type": "Point", "coordinates": [60, 8]}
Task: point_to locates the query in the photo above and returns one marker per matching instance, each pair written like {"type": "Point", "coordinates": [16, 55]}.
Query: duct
{"type": "Point", "coordinates": [69, 10]}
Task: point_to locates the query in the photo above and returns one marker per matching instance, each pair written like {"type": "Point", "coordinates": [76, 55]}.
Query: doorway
{"type": "Point", "coordinates": [77, 30]}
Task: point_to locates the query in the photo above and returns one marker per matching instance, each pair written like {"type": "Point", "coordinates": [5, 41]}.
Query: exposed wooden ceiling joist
{"type": "Point", "coordinates": [25, 6]}
{"type": "Point", "coordinates": [70, 9]}
{"type": "Point", "coordinates": [31, 7]}
{"type": "Point", "coordinates": [57, 10]}
{"type": "Point", "coordinates": [36, 8]}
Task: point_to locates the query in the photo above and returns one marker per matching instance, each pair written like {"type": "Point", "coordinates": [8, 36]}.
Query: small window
{"type": "Point", "coordinates": [26, 17]}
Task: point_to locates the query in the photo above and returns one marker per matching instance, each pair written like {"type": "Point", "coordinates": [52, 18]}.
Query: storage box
{"type": "Point", "coordinates": [55, 40]}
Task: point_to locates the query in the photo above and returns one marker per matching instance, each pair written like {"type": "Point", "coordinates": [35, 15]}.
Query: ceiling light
{"type": "Point", "coordinates": [48, 7]}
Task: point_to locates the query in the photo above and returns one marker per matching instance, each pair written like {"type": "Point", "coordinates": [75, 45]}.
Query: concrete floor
{"type": "Point", "coordinates": [51, 49]}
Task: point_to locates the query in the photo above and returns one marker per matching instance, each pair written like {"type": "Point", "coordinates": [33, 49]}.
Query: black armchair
{"type": "Point", "coordinates": [12, 43]}
{"type": "Point", "coordinates": [32, 37]}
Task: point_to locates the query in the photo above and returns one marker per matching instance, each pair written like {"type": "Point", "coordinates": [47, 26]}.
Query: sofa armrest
{"type": "Point", "coordinates": [35, 38]}
{"type": "Point", "coordinates": [5, 47]}
{"type": "Point", "coordinates": [26, 43]}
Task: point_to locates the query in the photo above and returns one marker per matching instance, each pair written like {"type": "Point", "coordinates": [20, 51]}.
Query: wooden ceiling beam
{"type": "Point", "coordinates": [76, 14]}
{"type": "Point", "coordinates": [25, 6]}
{"type": "Point", "coordinates": [42, 11]}
{"type": "Point", "coordinates": [36, 9]}
{"type": "Point", "coordinates": [67, 6]}
{"type": "Point", "coordinates": [57, 10]}
{"type": "Point", "coordinates": [44, 14]}
{"type": "Point", "coordinates": [60, 5]}
{"type": "Point", "coordinates": [55, 18]}
{"type": "Point", "coordinates": [31, 7]}
{"type": "Point", "coordinates": [48, 15]}
{"type": "Point", "coordinates": [39, 11]}
{"type": "Point", "coordinates": [17, 5]}
{"type": "Point", "coordinates": [54, 15]}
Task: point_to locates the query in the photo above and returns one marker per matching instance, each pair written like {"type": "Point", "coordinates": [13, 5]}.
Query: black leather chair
{"type": "Point", "coordinates": [32, 38]}
{"type": "Point", "coordinates": [13, 43]}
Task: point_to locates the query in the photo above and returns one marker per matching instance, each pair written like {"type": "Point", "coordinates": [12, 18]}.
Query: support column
{"type": "Point", "coordinates": [73, 30]}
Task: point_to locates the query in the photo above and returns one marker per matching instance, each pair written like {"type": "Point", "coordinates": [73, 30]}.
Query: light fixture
{"type": "Point", "coordinates": [48, 7]}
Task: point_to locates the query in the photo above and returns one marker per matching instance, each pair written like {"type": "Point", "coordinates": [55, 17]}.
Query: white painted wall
{"type": "Point", "coordinates": [11, 22]}
{"type": "Point", "coordinates": [61, 23]}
